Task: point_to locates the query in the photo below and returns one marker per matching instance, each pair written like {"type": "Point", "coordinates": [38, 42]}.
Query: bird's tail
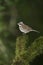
{"type": "Point", "coordinates": [35, 31]}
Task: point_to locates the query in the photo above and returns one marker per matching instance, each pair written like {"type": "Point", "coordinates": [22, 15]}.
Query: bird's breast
{"type": "Point", "coordinates": [22, 29]}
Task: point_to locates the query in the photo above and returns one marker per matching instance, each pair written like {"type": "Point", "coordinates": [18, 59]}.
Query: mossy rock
{"type": "Point", "coordinates": [35, 49]}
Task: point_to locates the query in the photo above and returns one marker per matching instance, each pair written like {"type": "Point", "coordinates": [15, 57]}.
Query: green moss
{"type": "Point", "coordinates": [20, 45]}
{"type": "Point", "coordinates": [35, 49]}
{"type": "Point", "coordinates": [25, 56]}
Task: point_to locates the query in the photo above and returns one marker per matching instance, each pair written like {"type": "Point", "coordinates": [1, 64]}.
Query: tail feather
{"type": "Point", "coordinates": [35, 31]}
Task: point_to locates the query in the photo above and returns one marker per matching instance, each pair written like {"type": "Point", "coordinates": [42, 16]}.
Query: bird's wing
{"type": "Point", "coordinates": [27, 27]}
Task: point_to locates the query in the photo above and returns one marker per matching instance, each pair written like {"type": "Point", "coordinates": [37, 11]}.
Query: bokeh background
{"type": "Point", "coordinates": [12, 12]}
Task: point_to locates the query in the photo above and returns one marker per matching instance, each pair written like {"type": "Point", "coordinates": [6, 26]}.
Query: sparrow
{"type": "Point", "coordinates": [25, 28]}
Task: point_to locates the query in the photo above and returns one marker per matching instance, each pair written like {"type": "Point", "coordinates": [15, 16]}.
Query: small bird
{"type": "Point", "coordinates": [25, 28]}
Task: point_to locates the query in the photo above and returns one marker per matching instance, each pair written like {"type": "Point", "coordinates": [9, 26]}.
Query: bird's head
{"type": "Point", "coordinates": [20, 23]}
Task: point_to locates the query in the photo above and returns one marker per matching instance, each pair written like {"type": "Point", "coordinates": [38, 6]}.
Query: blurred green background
{"type": "Point", "coordinates": [12, 12]}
